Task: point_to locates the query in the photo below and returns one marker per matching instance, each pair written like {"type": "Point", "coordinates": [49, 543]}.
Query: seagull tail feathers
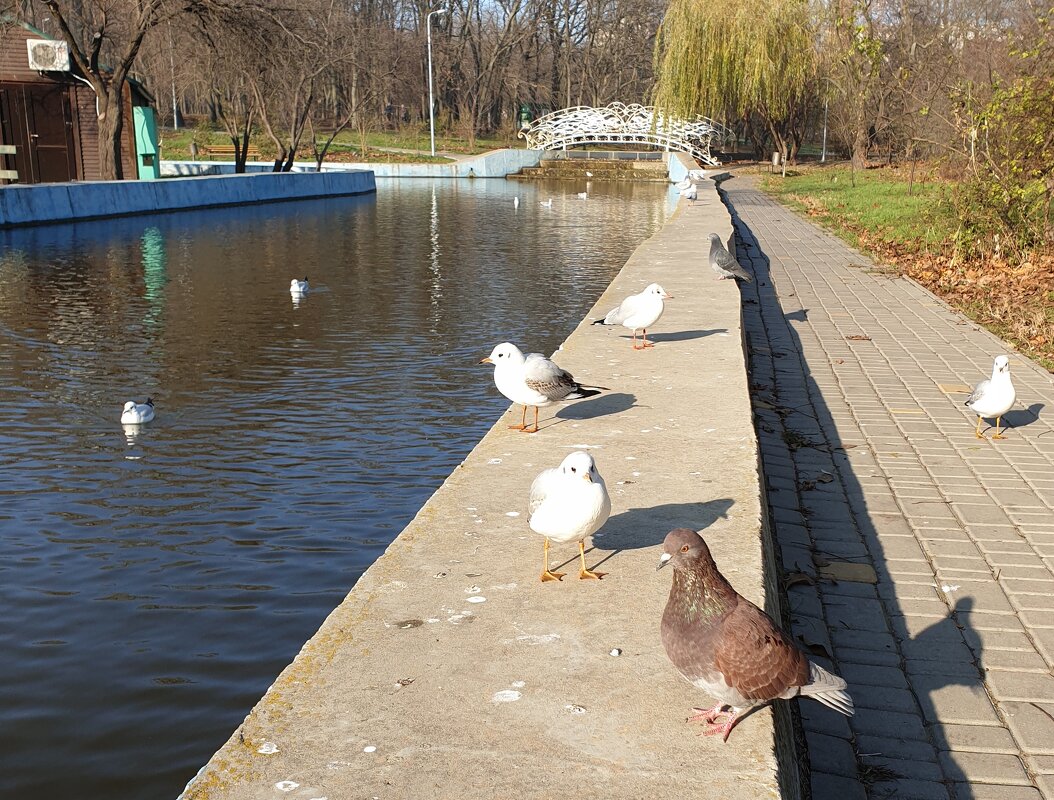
{"type": "Point", "coordinates": [583, 392]}
{"type": "Point", "coordinates": [828, 689]}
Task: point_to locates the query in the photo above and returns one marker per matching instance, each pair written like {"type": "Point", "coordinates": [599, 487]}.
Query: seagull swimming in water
{"type": "Point", "coordinates": [137, 413]}
{"type": "Point", "coordinates": [567, 504]}
{"type": "Point", "coordinates": [993, 397]}
{"type": "Point", "coordinates": [298, 287]}
{"type": "Point", "coordinates": [583, 195]}
{"type": "Point", "coordinates": [638, 312]}
{"type": "Point", "coordinates": [547, 203]}
{"type": "Point", "coordinates": [516, 202]}
{"type": "Point", "coordinates": [533, 381]}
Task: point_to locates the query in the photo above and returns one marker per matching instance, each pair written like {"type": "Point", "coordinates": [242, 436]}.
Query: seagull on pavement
{"type": "Point", "coordinates": [533, 381]}
{"type": "Point", "coordinates": [567, 504]}
{"type": "Point", "coordinates": [638, 312]}
{"type": "Point", "coordinates": [993, 397]}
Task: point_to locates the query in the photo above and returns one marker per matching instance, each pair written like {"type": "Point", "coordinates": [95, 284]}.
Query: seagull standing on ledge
{"type": "Point", "coordinates": [567, 504]}
{"type": "Point", "coordinates": [638, 311]}
{"type": "Point", "coordinates": [993, 397]}
{"type": "Point", "coordinates": [137, 413]}
{"type": "Point", "coordinates": [724, 263]}
{"type": "Point", "coordinates": [728, 647]}
{"type": "Point", "coordinates": [533, 381]}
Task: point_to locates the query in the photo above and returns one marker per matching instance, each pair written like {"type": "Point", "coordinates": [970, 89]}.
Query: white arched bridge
{"type": "Point", "coordinates": [624, 124]}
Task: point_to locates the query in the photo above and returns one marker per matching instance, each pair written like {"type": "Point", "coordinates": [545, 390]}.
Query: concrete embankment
{"type": "Point", "coordinates": [65, 202]}
{"type": "Point", "coordinates": [451, 671]}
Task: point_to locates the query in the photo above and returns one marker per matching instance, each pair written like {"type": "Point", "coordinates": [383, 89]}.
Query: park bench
{"type": "Point", "coordinates": [227, 150]}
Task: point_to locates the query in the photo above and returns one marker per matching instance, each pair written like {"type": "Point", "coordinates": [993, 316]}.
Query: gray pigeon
{"type": "Point", "coordinates": [730, 648]}
{"type": "Point", "coordinates": [724, 263]}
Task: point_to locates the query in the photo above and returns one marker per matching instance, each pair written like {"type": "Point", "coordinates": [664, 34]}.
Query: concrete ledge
{"type": "Point", "coordinates": [450, 671]}
{"type": "Point", "coordinates": [64, 202]}
{"type": "Point", "coordinates": [495, 164]}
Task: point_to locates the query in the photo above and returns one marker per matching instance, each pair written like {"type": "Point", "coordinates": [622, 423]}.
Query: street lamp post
{"type": "Point", "coordinates": [431, 102]}
{"type": "Point", "coordinates": [823, 149]}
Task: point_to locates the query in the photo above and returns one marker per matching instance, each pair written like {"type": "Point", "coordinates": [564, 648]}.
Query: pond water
{"type": "Point", "coordinates": [154, 583]}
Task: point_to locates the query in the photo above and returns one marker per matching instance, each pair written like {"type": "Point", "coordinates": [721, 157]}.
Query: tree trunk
{"type": "Point", "coordinates": [860, 139]}
{"type": "Point", "coordinates": [111, 125]}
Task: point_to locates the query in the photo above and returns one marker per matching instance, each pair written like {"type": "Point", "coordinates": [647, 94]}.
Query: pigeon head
{"type": "Point", "coordinates": [579, 464]}
{"type": "Point", "coordinates": [504, 353]}
{"type": "Point", "coordinates": [654, 288]}
{"type": "Point", "coordinates": [1002, 364]}
{"type": "Point", "coordinates": [715, 239]}
{"type": "Point", "coordinates": [685, 549]}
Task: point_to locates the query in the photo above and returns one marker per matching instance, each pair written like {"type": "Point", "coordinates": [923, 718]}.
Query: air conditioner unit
{"type": "Point", "coordinates": [46, 55]}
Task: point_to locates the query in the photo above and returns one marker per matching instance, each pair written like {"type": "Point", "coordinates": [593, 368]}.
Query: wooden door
{"type": "Point", "coordinates": [50, 123]}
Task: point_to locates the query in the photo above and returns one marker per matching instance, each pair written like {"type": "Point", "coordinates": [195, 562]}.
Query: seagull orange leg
{"type": "Point", "coordinates": [997, 434]}
{"type": "Point", "coordinates": [635, 341]}
{"type": "Point", "coordinates": [526, 428]}
{"type": "Point", "coordinates": [547, 574]}
{"type": "Point", "coordinates": [523, 422]}
{"type": "Point", "coordinates": [646, 342]}
{"type": "Point", "coordinates": [587, 573]}
{"type": "Point", "coordinates": [977, 431]}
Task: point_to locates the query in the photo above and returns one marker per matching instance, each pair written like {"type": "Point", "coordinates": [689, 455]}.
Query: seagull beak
{"type": "Point", "coordinates": [668, 296]}
{"type": "Point", "coordinates": [664, 559]}
{"type": "Point", "coordinates": [587, 476]}
{"type": "Point", "coordinates": [486, 360]}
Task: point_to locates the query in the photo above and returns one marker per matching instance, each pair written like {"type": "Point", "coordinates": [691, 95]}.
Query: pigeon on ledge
{"type": "Point", "coordinates": [730, 648]}
{"type": "Point", "coordinates": [724, 263]}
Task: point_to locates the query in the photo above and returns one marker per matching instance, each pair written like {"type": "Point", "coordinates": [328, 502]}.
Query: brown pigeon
{"type": "Point", "coordinates": [730, 648]}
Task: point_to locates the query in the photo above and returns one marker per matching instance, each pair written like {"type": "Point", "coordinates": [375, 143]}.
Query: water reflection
{"type": "Point", "coordinates": [154, 582]}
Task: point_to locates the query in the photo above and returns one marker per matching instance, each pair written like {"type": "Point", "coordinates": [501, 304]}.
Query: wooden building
{"type": "Point", "coordinates": [48, 118]}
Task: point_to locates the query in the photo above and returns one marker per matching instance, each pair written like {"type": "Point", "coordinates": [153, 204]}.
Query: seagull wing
{"type": "Point", "coordinates": [545, 377]}
{"type": "Point", "coordinates": [540, 489]}
{"type": "Point", "coordinates": [627, 308]}
{"type": "Point", "coordinates": [978, 392]}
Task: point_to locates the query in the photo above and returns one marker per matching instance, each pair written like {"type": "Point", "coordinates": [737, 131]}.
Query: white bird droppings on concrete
{"type": "Point", "coordinates": [267, 748]}
{"type": "Point", "coordinates": [476, 599]}
{"type": "Point", "coordinates": [506, 696]}
{"type": "Point", "coordinates": [518, 684]}
{"type": "Point", "coordinates": [574, 708]}
{"type": "Point", "coordinates": [369, 749]}
{"type": "Point", "coordinates": [286, 786]}
{"type": "Point", "coordinates": [615, 652]}
{"type": "Point", "coordinates": [494, 461]}
{"type": "Point", "coordinates": [949, 587]}
{"type": "Point", "coordinates": [473, 590]}
{"type": "Point", "coordinates": [512, 513]}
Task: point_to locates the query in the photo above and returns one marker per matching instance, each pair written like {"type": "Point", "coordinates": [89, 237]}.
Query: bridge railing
{"type": "Point", "coordinates": [619, 123]}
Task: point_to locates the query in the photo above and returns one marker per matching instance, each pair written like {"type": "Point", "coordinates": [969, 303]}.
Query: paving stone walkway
{"type": "Point", "coordinates": [942, 614]}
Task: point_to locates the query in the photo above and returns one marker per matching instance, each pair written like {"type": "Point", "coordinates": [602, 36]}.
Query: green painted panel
{"type": "Point", "coordinates": [146, 143]}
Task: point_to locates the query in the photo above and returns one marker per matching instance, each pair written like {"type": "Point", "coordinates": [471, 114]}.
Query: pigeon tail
{"type": "Point", "coordinates": [828, 689]}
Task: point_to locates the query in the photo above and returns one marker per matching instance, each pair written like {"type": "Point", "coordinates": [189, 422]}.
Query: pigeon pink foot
{"type": "Point", "coordinates": [708, 715]}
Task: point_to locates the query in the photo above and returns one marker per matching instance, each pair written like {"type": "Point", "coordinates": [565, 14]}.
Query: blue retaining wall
{"type": "Point", "coordinates": [63, 202]}
{"type": "Point", "coordinates": [495, 164]}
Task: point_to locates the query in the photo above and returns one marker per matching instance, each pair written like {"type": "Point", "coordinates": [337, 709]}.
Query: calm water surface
{"type": "Point", "coordinates": [152, 585]}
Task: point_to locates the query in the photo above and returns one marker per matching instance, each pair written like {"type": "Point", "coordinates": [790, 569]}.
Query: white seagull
{"type": "Point", "coordinates": [583, 195]}
{"type": "Point", "coordinates": [298, 287]}
{"type": "Point", "coordinates": [567, 504]}
{"type": "Point", "coordinates": [993, 397]}
{"type": "Point", "coordinates": [137, 413]}
{"type": "Point", "coordinates": [516, 202]}
{"type": "Point", "coordinates": [547, 203]}
{"type": "Point", "coordinates": [533, 380]}
{"type": "Point", "coordinates": [638, 312]}
{"type": "Point", "coordinates": [690, 193]}
{"type": "Point", "coordinates": [683, 184]}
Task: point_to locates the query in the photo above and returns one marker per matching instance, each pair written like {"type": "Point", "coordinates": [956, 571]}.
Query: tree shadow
{"type": "Point", "coordinates": [907, 662]}
{"type": "Point", "coordinates": [681, 336]}
{"type": "Point", "coordinates": [600, 406]}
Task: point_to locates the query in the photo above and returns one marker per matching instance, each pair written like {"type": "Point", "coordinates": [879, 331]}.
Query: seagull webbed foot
{"type": "Point", "coordinates": [588, 573]}
{"type": "Point", "coordinates": [549, 575]}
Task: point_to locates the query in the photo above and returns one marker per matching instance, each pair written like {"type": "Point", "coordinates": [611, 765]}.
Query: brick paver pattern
{"type": "Point", "coordinates": [870, 459]}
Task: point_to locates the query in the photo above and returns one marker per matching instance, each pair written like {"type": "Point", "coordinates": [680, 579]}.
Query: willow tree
{"type": "Point", "coordinates": [724, 58]}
